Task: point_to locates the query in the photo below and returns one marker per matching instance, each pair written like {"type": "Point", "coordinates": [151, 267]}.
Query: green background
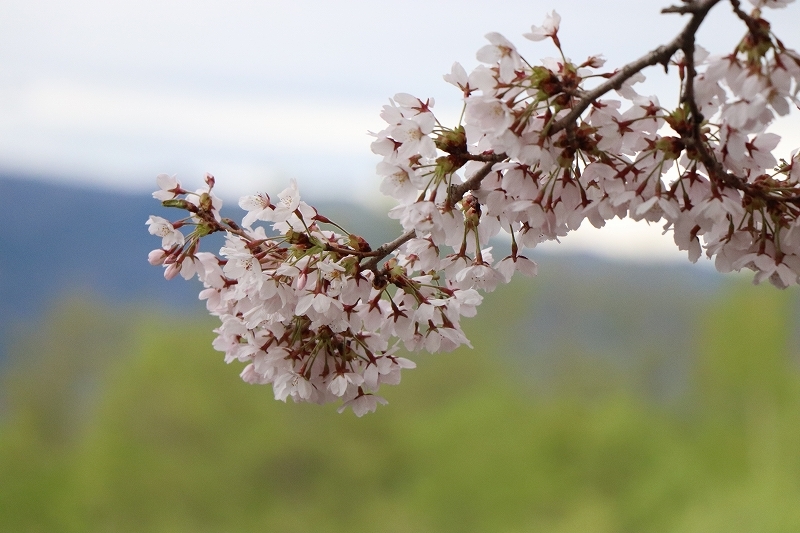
{"type": "Point", "coordinates": [585, 405]}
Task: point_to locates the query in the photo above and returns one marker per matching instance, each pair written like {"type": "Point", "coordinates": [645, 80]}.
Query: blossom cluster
{"type": "Point", "coordinates": [314, 311]}
{"type": "Point", "coordinates": [704, 169]}
{"type": "Point", "coordinates": [298, 307]}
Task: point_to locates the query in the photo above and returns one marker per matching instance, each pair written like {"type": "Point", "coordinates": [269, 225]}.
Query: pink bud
{"type": "Point", "coordinates": [301, 281]}
{"type": "Point", "coordinates": [172, 270]}
{"type": "Point", "coordinates": [156, 257]}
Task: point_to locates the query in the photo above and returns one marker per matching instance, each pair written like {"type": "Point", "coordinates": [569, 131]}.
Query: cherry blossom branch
{"type": "Point", "coordinates": [387, 248]}
{"type": "Point", "coordinates": [694, 140]}
{"type": "Point", "coordinates": [233, 227]}
{"type": "Point", "coordinates": [474, 182]}
{"type": "Point", "coordinates": [689, 7]}
{"type": "Point", "coordinates": [688, 92]}
{"type": "Point", "coordinates": [660, 55]}
{"type": "Point", "coordinates": [455, 194]}
{"type": "Point", "coordinates": [319, 315]}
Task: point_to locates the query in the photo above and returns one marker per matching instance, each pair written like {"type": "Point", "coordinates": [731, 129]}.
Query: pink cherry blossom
{"type": "Point", "coordinates": [320, 314]}
{"type": "Point", "coordinates": [502, 52]}
{"type": "Point", "coordinates": [169, 187]}
{"type": "Point", "coordinates": [163, 228]}
{"type": "Point", "coordinates": [363, 404]}
{"type": "Point", "coordinates": [549, 28]}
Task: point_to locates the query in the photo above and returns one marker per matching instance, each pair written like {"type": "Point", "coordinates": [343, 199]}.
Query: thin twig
{"type": "Point", "coordinates": [752, 24]}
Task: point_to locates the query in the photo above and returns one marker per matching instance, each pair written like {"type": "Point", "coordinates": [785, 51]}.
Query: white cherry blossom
{"type": "Point", "coordinates": [321, 315]}
{"type": "Point", "coordinates": [549, 28]}
{"type": "Point", "coordinates": [163, 228]}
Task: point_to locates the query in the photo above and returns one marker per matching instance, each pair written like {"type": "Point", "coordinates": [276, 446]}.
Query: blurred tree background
{"type": "Point", "coordinates": [590, 402]}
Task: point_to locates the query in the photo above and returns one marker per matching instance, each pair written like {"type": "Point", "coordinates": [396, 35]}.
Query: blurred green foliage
{"type": "Point", "coordinates": [127, 421]}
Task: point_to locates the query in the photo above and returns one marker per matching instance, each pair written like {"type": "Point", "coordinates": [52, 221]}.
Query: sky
{"type": "Point", "coordinates": [110, 94]}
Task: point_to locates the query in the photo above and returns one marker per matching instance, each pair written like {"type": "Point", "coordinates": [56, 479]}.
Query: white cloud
{"type": "Point", "coordinates": [247, 123]}
{"type": "Point", "coordinates": [621, 240]}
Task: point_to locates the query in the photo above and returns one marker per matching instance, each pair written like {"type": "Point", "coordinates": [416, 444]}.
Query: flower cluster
{"type": "Point", "coordinates": [313, 310]}
{"type": "Point", "coordinates": [301, 308]}
{"type": "Point", "coordinates": [704, 169]}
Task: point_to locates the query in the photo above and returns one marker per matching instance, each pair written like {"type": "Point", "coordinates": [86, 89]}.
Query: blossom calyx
{"type": "Point", "coordinates": [756, 43]}
{"type": "Point", "coordinates": [446, 165]}
{"type": "Point", "coordinates": [472, 211]}
{"type": "Point", "coordinates": [452, 141]}
{"type": "Point", "coordinates": [206, 202]}
{"type": "Point", "coordinates": [546, 81]}
{"type": "Point", "coordinates": [670, 147]}
{"type": "Point", "coordinates": [358, 243]}
{"type": "Point", "coordinates": [394, 269]}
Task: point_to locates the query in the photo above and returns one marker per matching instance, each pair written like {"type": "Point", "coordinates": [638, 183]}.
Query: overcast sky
{"type": "Point", "coordinates": [114, 92]}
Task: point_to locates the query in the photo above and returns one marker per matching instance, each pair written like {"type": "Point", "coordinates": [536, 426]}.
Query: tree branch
{"type": "Point", "coordinates": [660, 55]}
{"type": "Point", "coordinates": [714, 168]}
{"type": "Point", "coordinates": [457, 192]}
{"type": "Point", "coordinates": [385, 249]}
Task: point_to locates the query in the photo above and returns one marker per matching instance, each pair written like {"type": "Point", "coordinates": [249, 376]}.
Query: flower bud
{"type": "Point", "coordinates": [157, 257]}
{"type": "Point", "coordinates": [176, 202]}
{"type": "Point", "coordinates": [452, 141]}
{"type": "Point", "coordinates": [302, 279]}
{"type": "Point", "coordinates": [172, 270]}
